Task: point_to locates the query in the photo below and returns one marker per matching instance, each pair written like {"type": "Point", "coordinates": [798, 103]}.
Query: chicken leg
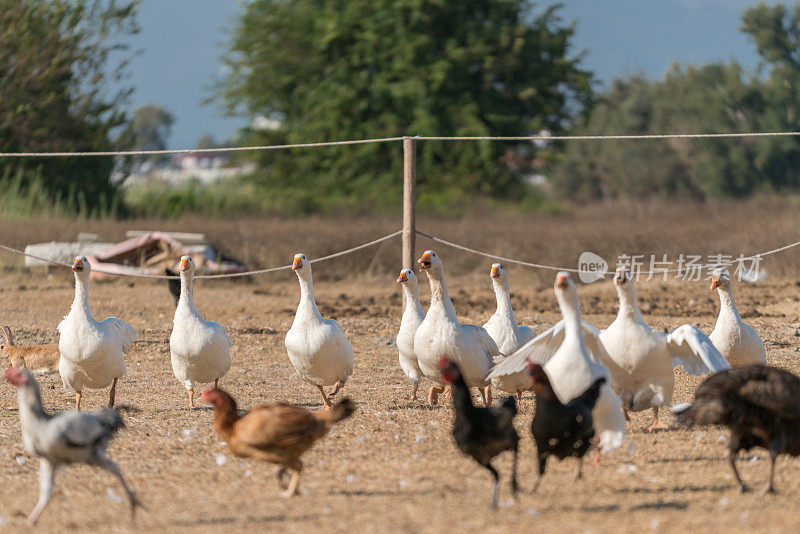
{"type": "Point", "coordinates": [78, 396]}
{"type": "Point", "coordinates": [190, 392]}
{"type": "Point", "coordinates": [493, 471]}
{"type": "Point", "coordinates": [297, 467]}
{"type": "Point", "coordinates": [112, 394]}
{"type": "Point", "coordinates": [47, 476]}
{"type": "Point", "coordinates": [327, 405]}
{"type": "Point", "coordinates": [104, 462]}
{"type": "Point", "coordinates": [732, 461]}
{"type": "Point", "coordinates": [770, 487]}
{"type": "Point", "coordinates": [657, 424]}
{"type": "Point", "coordinates": [579, 470]}
{"type": "Point", "coordinates": [514, 483]}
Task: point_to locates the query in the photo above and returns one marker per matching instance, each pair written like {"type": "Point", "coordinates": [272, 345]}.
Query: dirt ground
{"type": "Point", "coordinates": [393, 466]}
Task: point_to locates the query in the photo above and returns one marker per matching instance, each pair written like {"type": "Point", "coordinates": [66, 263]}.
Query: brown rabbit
{"type": "Point", "coordinates": [33, 357]}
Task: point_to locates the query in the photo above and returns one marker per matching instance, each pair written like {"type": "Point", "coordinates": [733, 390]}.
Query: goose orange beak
{"type": "Point", "coordinates": [77, 265]}
{"type": "Point", "coordinates": [715, 282]}
{"type": "Point", "coordinates": [424, 261]}
{"type": "Point", "coordinates": [495, 272]}
{"type": "Point", "coordinates": [297, 264]}
{"type": "Point", "coordinates": [562, 281]}
{"type": "Point", "coordinates": [619, 277]}
{"type": "Point", "coordinates": [402, 278]}
{"type": "Point", "coordinates": [184, 264]}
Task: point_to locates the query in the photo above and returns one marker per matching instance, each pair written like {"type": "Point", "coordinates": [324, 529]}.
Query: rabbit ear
{"type": "Point", "coordinates": [7, 335]}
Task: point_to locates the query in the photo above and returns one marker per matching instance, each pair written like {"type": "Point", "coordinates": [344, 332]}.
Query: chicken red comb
{"type": "Point", "coordinates": [535, 370]}
{"type": "Point", "coordinates": [14, 375]}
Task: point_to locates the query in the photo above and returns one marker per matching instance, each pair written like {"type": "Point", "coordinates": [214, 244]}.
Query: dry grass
{"type": "Point", "coordinates": [612, 229]}
{"type": "Point", "coordinates": [393, 466]}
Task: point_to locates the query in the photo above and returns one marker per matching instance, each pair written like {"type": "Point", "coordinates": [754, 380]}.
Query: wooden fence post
{"type": "Point", "coordinates": [409, 200]}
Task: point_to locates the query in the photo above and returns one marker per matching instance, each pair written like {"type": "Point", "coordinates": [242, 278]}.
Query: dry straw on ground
{"type": "Point", "coordinates": [393, 466]}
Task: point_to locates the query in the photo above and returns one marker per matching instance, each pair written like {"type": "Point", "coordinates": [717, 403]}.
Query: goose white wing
{"type": "Point", "coordinates": [591, 338]}
{"type": "Point", "coordinates": [541, 348]}
{"type": "Point", "coordinates": [125, 333]}
{"type": "Point", "coordinates": [609, 423]}
{"type": "Point", "coordinates": [692, 349]}
{"type": "Point", "coordinates": [220, 334]}
{"type": "Point", "coordinates": [538, 350]}
{"type": "Point", "coordinates": [484, 339]}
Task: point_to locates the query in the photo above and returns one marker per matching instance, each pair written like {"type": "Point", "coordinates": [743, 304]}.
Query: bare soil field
{"type": "Point", "coordinates": [393, 466]}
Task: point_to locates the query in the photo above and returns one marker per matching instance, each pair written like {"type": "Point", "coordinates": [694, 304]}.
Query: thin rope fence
{"type": "Point", "coordinates": [531, 138]}
{"type": "Point", "coordinates": [209, 276]}
{"type": "Point", "coordinates": [388, 237]}
{"type": "Point", "coordinates": [192, 150]}
{"type": "Point", "coordinates": [604, 273]}
{"type": "Point", "coordinates": [606, 137]}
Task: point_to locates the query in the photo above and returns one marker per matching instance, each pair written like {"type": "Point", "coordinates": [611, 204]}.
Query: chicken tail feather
{"type": "Point", "coordinates": [701, 413]}
{"type": "Point", "coordinates": [343, 410]}
{"type": "Point", "coordinates": [111, 417]}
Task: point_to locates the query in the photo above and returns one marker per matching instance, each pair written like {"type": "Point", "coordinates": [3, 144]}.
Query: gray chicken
{"type": "Point", "coordinates": [65, 438]}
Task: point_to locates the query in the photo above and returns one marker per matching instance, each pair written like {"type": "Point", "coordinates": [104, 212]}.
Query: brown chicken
{"type": "Point", "coordinates": [277, 433]}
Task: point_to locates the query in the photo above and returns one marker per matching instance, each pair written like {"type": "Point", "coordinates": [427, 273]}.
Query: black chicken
{"type": "Point", "coordinates": [482, 433]}
{"type": "Point", "coordinates": [561, 430]}
{"type": "Point", "coordinates": [761, 406]}
{"type": "Point", "coordinates": [174, 284]}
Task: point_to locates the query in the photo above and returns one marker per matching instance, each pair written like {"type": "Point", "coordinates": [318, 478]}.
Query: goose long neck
{"type": "Point", "coordinates": [726, 304]}
{"type": "Point", "coordinates": [571, 312]}
{"type": "Point", "coordinates": [411, 292]}
{"type": "Point", "coordinates": [628, 307]}
{"type": "Point", "coordinates": [187, 291]}
{"type": "Point", "coordinates": [307, 306]}
{"type": "Point", "coordinates": [440, 298]}
{"type": "Point", "coordinates": [81, 301]}
{"type": "Point", "coordinates": [502, 293]}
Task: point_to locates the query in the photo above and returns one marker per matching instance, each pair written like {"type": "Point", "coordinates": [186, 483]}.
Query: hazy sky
{"type": "Point", "coordinates": [182, 42]}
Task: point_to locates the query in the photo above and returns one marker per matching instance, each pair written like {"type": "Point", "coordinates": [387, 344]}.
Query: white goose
{"type": "Point", "coordinates": [413, 315]}
{"type": "Point", "coordinates": [503, 328]}
{"type": "Point", "coordinates": [317, 348]}
{"type": "Point", "coordinates": [737, 341]}
{"type": "Point", "coordinates": [91, 351]}
{"type": "Point", "coordinates": [573, 358]}
{"type": "Point", "coordinates": [642, 358]}
{"type": "Point", "coordinates": [199, 349]}
{"type": "Point", "coordinates": [441, 335]}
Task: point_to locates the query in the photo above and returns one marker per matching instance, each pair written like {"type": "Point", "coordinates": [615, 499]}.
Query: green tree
{"type": "Point", "coordinates": [706, 99]}
{"type": "Point", "coordinates": [331, 70]}
{"type": "Point", "coordinates": [718, 97]}
{"type": "Point", "coordinates": [775, 30]}
{"type": "Point", "coordinates": [149, 129]}
{"type": "Point", "coordinates": [57, 60]}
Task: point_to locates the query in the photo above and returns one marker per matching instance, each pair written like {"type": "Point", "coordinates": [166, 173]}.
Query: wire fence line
{"type": "Point", "coordinates": [530, 138]}
{"type": "Point", "coordinates": [209, 276]}
{"type": "Point", "coordinates": [606, 137]}
{"type": "Point", "coordinates": [390, 236]}
{"type": "Point", "coordinates": [193, 150]}
{"type": "Point", "coordinates": [604, 273]}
